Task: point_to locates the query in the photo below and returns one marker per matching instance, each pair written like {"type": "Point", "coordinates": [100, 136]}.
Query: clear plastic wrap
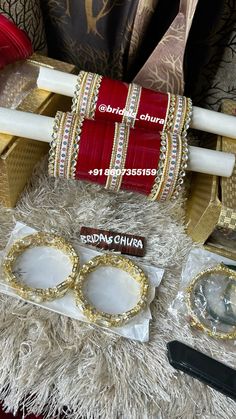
{"type": "Point", "coordinates": [207, 296]}
{"type": "Point", "coordinates": [109, 289]}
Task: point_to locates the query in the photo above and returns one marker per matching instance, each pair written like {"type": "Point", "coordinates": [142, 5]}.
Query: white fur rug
{"type": "Point", "coordinates": [53, 364]}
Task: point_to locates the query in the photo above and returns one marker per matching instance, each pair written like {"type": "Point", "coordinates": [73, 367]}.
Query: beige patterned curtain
{"type": "Point", "coordinates": [144, 13]}
{"type": "Point", "coordinates": [163, 70]}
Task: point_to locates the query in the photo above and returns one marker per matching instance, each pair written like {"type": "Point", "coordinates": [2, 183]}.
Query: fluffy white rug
{"type": "Point", "coordinates": [53, 364]}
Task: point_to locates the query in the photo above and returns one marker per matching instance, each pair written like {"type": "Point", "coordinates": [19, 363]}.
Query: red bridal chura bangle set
{"type": "Point", "coordinates": [80, 146]}
{"type": "Point", "coordinates": [104, 141]}
{"type": "Point", "coordinates": [100, 98]}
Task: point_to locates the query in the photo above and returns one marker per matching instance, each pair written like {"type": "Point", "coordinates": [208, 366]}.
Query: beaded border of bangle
{"type": "Point", "coordinates": [53, 143]}
{"type": "Point", "coordinates": [165, 167]}
{"type": "Point", "coordinates": [187, 116]}
{"type": "Point", "coordinates": [167, 112]}
{"type": "Point", "coordinates": [183, 114]}
{"type": "Point", "coordinates": [172, 167]}
{"type": "Point", "coordinates": [182, 169]}
{"type": "Point", "coordinates": [164, 149]}
{"type": "Point", "coordinates": [178, 114]}
{"type": "Point", "coordinates": [35, 240]}
{"type": "Point", "coordinates": [84, 105]}
{"type": "Point", "coordinates": [64, 150]}
{"type": "Point", "coordinates": [71, 170]}
{"type": "Point", "coordinates": [169, 119]}
{"type": "Point", "coordinates": [193, 318]}
{"type": "Point", "coordinates": [132, 104]}
{"type": "Point", "coordinates": [176, 176]}
{"type": "Point", "coordinates": [64, 144]}
{"type": "Point", "coordinates": [85, 97]}
{"type": "Point", "coordinates": [79, 92]}
{"type": "Point", "coordinates": [94, 95]}
{"type": "Point", "coordinates": [118, 157]}
{"type": "Point", "coordinates": [79, 89]}
{"type": "Point", "coordinates": [102, 318]}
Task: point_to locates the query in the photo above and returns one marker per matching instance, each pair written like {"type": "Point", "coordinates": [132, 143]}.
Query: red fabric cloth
{"type": "Point", "coordinates": [14, 43]}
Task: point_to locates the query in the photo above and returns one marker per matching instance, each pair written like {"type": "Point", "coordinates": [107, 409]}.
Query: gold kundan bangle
{"type": "Point", "coordinates": [36, 240]}
{"type": "Point", "coordinates": [194, 319]}
{"type": "Point", "coordinates": [99, 317]}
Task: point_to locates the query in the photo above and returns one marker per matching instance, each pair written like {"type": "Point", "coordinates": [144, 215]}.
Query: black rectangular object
{"type": "Point", "coordinates": [206, 369]}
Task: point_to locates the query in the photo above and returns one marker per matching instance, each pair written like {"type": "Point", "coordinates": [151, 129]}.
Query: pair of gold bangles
{"type": "Point", "coordinates": [76, 279]}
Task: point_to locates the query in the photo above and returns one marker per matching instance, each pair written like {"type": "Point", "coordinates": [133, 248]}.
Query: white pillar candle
{"type": "Point", "coordinates": [38, 127]}
{"type": "Point", "coordinates": [202, 119]}
{"type": "Point", "coordinates": [25, 124]}
{"type": "Point", "coordinates": [56, 81]}
{"type": "Point", "coordinates": [211, 162]}
{"type": "Point", "coordinates": [214, 122]}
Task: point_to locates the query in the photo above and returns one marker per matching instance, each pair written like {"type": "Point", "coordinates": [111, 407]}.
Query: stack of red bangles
{"type": "Point", "coordinates": [14, 43]}
{"type": "Point", "coordinates": [122, 136]}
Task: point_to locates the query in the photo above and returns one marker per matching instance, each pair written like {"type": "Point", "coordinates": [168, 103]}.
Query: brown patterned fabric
{"type": "Point", "coordinates": [163, 70]}
{"type": "Point", "coordinates": [93, 34]}
{"type": "Point", "coordinates": [27, 15]}
{"type": "Point", "coordinates": [211, 54]}
{"type": "Point", "coordinates": [144, 14]}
